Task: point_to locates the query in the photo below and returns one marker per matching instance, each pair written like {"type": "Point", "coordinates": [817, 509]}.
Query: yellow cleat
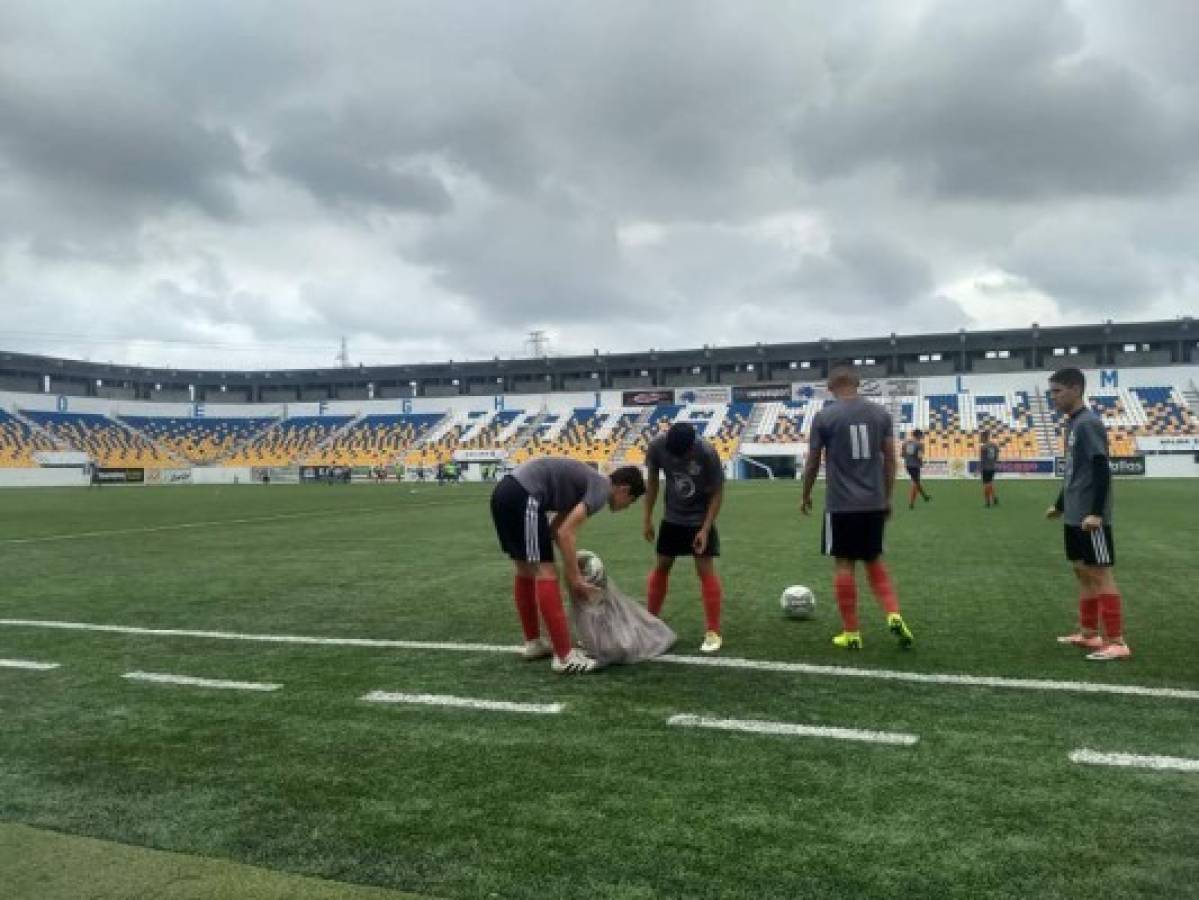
{"type": "Point", "coordinates": [849, 640]}
{"type": "Point", "coordinates": [901, 631]}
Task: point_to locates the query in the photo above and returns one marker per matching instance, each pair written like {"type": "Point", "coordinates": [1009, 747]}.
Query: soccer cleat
{"type": "Point", "coordinates": [576, 663]}
{"type": "Point", "coordinates": [538, 648]}
{"type": "Point", "coordinates": [901, 631]}
{"type": "Point", "coordinates": [849, 640]}
{"type": "Point", "coordinates": [712, 642]}
{"type": "Point", "coordinates": [1110, 652]}
{"type": "Point", "coordinates": [1083, 641]}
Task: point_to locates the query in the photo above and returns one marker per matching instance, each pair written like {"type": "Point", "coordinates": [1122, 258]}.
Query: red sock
{"type": "Point", "coordinates": [655, 590]}
{"type": "Point", "coordinates": [524, 591]}
{"type": "Point", "coordinates": [549, 601]}
{"type": "Point", "coordinates": [880, 583]}
{"type": "Point", "coordinates": [711, 592]}
{"type": "Point", "coordinates": [1112, 614]}
{"type": "Point", "coordinates": [1088, 613]}
{"type": "Point", "coordinates": [845, 587]}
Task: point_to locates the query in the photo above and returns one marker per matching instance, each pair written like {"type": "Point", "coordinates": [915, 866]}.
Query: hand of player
{"type": "Point", "coordinates": [700, 542]}
{"type": "Point", "coordinates": [1092, 523]}
{"type": "Point", "coordinates": [887, 511]}
{"type": "Point", "coordinates": [805, 506]}
{"type": "Point", "coordinates": [584, 592]}
{"type": "Point", "coordinates": [1053, 513]}
{"type": "Point", "coordinates": [648, 531]}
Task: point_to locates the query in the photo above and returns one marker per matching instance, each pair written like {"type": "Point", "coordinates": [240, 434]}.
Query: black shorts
{"type": "Point", "coordinates": [853, 535]}
{"type": "Point", "coordinates": [988, 477]}
{"type": "Point", "coordinates": [1094, 548]}
{"type": "Point", "coordinates": [914, 473]}
{"type": "Point", "coordinates": [675, 540]}
{"type": "Point", "coordinates": [520, 523]}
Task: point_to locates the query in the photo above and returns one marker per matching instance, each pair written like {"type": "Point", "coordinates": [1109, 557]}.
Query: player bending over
{"type": "Point", "coordinates": [574, 492]}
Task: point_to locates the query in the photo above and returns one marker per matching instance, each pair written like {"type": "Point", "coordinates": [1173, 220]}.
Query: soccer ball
{"type": "Point", "coordinates": [798, 602]}
{"type": "Point", "coordinates": [591, 567]}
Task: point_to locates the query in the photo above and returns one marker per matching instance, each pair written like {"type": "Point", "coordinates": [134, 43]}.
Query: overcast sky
{"type": "Point", "coordinates": [242, 182]}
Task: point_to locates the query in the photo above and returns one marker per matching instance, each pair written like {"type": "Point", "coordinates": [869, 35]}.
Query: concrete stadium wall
{"type": "Point", "coordinates": [14, 478]}
{"type": "Point", "coordinates": [222, 475]}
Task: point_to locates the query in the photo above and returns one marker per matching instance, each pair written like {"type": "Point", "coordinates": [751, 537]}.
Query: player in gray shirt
{"type": "Point", "coordinates": [913, 461]}
{"type": "Point", "coordinates": [988, 465]}
{"type": "Point", "coordinates": [694, 493]}
{"type": "Point", "coordinates": [573, 492]}
{"type": "Point", "coordinates": [854, 438]}
{"type": "Point", "coordinates": [1085, 503]}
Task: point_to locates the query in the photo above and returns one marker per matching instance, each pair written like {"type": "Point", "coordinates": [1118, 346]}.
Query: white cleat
{"type": "Point", "coordinates": [712, 642]}
{"type": "Point", "coordinates": [576, 663]}
{"type": "Point", "coordinates": [538, 648]}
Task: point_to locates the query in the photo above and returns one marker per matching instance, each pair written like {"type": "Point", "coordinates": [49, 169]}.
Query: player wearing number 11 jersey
{"type": "Point", "coordinates": [856, 439]}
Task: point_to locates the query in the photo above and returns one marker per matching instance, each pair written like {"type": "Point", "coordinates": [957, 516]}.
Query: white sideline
{"type": "Point", "coordinates": [547, 709]}
{"type": "Point", "coordinates": [1161, 763]}
{"type": "Point", "coordinates": [1026, 684]}
{"type": "Point", "coordinates": [214, 523]}
{"type": "Point", "coordinates": [756, 726]}
{"type": "Point", "coordinates": [266, 638]}
{"type": "Point", "coordinates": [27, 664]}
{"type": "Point", "coordinates": [162, 678]}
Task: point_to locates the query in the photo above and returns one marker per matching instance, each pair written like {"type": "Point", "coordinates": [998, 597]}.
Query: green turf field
{"type": "Point", "coordinates": [604, 799]}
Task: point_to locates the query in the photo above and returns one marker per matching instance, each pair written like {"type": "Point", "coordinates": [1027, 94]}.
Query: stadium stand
{"type": "Point", "coordinates": [201, 441]}
{"type": "Point", "coordinates": [659, 421]}
{"type": "Point", "coordinates": [487, 436]}
{"type": "Point", "coordinates": [287, 442]}
{"type": "Point", "coordinates": [1022, 422]}
{"type": "Point", "coordinates": [1135, 412]}
{"type": "Point", "coordinates": [18, 442]}
{"type": "Point", "coordinates": [1008, 419]}
{"type": "Point", "coordinates": [576, 438]}
{"type": "Point", "coordinates": [729, 433]}
{"type": "Point", "coordinates": [108, 442]}
{"type": "Point", "coordinates": [1165, 411]}
{"type": "Point", "coordinates": [434, 449]}
{"type": "Point", "coordinates": [374, 440]}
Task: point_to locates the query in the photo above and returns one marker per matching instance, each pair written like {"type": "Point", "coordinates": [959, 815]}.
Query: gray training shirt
{"type": "Point", "coordinates": [913, 453]}
{"type": "Point", "coordinates": [691, 480]}
{"type": "Point", "coordinates": [851, 432]}
{"type": "Point", "coordinates": [988, 457]}
{"type": "Point", "coordinates": [1086, 438]}
{"type": "Point", "coordinates": [559, 485]}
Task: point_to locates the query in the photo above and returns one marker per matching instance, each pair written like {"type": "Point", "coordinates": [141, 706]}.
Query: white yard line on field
{"type": "Point", "coordinates": [933, 678]}
{"type": "Point", "coordinates": [463, 702]}
{"type": "Point", "coordinates": [1130, 760]}
{"type": "Point", "coordinates": [264, 638]}
{"type": "Point", "coordinates": [1024, 684]}
{"type": "Point", "coordinates": [187, 680]}
{"type": "Point", "coordinates": [756, 726]}
{"type": "Point", "coordinates": [221, 523]}
{"type": "Point", "coordinates": [27, 664]}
